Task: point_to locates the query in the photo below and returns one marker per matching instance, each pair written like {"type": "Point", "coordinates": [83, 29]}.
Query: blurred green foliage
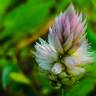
{"type": "Point", "coordinates": [21, 23]}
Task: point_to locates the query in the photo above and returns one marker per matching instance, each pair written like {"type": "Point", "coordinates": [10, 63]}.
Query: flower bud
{"type": "Point", "coordinates": [67, 50]}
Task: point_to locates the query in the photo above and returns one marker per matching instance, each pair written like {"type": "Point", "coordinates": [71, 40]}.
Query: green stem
{"type": "Point", "coordinates": [62, 92]}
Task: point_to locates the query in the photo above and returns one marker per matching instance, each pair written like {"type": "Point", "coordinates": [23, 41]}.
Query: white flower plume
{"type": "Point", "coordinates": [67, 45]}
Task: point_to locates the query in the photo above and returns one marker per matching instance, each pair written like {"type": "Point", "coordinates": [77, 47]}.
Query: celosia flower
{"type": "Point", "coordinates": [67, 49]}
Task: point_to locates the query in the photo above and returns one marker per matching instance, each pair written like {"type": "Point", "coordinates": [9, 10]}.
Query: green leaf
{"type": "Point", "coordinates": [94, 3]}
{"type": "Point", "coordinates": [91, 37]}
{"type": "Point", "coordinates": [35, 1]}
{"type": "Point", "coordinates": [4, 4]}
{"type": "Point", "coordinates": [92, 69]}
{"type": "Point", "coordinates": [26, 17]}
{"type": "Point", "coordinates": [5, 76]}
{"type": "Point", "coordinates": [46, 87]}
{"type": "Point", "coordinates": [62, 4]}
{"type": "Point", "coordinates": [3, 63]}
{"type": "Point", "coordinates": [80, 2]}
{"type": "Point", "coordinates": [82, 88]}
{"type": "Point", "coordinates": [19, 77]}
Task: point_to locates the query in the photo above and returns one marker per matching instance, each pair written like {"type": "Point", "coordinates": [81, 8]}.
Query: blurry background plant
{"type": "Point", "coordinates": [22, 22]}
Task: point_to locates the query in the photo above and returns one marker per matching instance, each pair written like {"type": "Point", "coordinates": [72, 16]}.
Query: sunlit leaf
{"type": "Point", "coordinates": [19, 77]}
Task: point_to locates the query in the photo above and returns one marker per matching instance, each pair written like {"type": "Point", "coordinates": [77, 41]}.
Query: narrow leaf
{"type": "Point", "coordinates": [19, 77]}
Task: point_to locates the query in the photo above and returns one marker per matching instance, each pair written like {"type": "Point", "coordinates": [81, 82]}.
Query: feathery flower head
{"type": "Point", "coordinates": [67, 49]}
